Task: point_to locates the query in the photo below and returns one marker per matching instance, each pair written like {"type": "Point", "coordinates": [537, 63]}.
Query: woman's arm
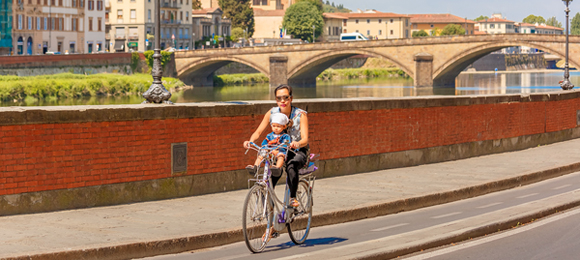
{"type": "Point", "coordinates": [259, 130]}
{"type": "Point", "coordinates": [303, 133]}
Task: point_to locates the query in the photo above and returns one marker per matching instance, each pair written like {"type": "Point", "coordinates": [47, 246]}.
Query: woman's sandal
{"type": "Point", "coordinates": [269, 234]}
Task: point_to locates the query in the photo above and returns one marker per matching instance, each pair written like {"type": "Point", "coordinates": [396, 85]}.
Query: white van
{"type": "Point", "coordinates": [347, 37]}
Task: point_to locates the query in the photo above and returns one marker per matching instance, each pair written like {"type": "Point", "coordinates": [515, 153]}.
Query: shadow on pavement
{"type": "Point", "coordinates": [308, 243]}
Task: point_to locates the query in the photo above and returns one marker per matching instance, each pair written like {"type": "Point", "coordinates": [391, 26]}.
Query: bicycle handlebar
{"type": "Point", "coordinates": [257, 148]}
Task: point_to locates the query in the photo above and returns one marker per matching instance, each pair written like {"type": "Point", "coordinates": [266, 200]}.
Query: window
{"type": "Point", "coordinates": [38, 23]}
{"type": "Point", "coordinates": [392, 20]}
{"type": "Point", "coordinates": [186, 33]}
{"type": "Point", "coordinates": [368, 20]}
{"type": "Point", "coordinates": [90, 23]}
{"type": "Point", "coordinates": [181, 15]}
{"type": "Point", "coordinates": [149, 15]}
{"type": "Point", "coordinates": [100, 5]}
{"type": "Point", "coordinates": [356, 21]}
{"type": "Point", "coordinates": [74, 3]}
{"type": "Point", "coordinates": [52, 24]}
{"type": "Point", "coordinates": [74, 22]}
{"type": "Point", "coordinates": [119, 16]}
{"type": "Point", "coordinates": [19, 22]}
{"type": "Point", "coordinates": [60, 2]}
{"type": "Point", "coordinates": [492, 26]}
{"type": "Point", "coordinates": [82, 3]}
{"type": "Point", "coordinates": [120, 32]}
{"type": "Point", "coordinates": [392, 32]}
{"type": "Point", "coordinates": [60, 24]}
{"type": "Point", "coordinates": [499, 25]}
{"type": "Point", "coordinates": [380, 32]}
{"type": "Point", "coordinates": [344, 22]}
{"type": "Point", "coordinates": [380, 20]}
{"type": "Point", "coordinates": [133, 14]}
{"type": "Point", "coordinates": [45, 25]}
{"type": "Point", "coordinates": [29, 23]}
{"type": "Point", "coordinates": [344, 31]}
{"type": "Point", "coordinates": [406, 22]}
{"type": "Point", "coordinates": [368, 32]}
{"type": "Point", "coordinates": [432, 26]}
{"type": "Point", "coordinates": [91, 4]}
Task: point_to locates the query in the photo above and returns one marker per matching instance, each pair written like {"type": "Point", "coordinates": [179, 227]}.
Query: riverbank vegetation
{"type": "Point", "coordinates": [68, 85]}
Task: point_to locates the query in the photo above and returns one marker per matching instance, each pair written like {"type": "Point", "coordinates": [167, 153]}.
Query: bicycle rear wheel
{"type": "Point", "coordinates": [256, 218]}
{"type": "Point", "coordinates": [299, 227]}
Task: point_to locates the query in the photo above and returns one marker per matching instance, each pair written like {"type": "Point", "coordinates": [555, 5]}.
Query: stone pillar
{"type": "Point", "coordinates": [423, 70]}
{"type": "Point", "coordinates": [278, 70]}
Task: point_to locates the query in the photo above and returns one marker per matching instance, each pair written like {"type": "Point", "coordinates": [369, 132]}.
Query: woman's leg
{"type": "Point", "coordinates": [294, 163]}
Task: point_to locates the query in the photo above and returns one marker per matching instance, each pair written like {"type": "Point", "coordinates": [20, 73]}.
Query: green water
{"type": "Point", "coordinates": [467, 84]}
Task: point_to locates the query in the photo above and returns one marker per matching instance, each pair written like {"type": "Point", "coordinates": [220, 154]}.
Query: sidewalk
{"type": "Point", "coordinates": [170, 226]}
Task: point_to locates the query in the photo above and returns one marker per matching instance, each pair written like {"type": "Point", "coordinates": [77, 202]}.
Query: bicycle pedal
{"type": "Point", "coordinates": [275, 235]}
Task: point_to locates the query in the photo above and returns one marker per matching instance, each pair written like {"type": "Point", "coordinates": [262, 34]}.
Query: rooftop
{"type": "Point", "coordinates": [495, 20]}
{"type": "Point", "coordinates": [439, 18]}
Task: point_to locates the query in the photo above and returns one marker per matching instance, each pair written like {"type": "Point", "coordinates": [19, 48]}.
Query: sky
{"type": "Point", "coordinates": [514, 10]}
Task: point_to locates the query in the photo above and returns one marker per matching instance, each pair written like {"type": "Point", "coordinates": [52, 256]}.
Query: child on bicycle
{"type": "Point", "coordinates": [278, 122]}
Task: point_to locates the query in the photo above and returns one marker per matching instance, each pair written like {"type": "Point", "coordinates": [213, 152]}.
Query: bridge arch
{"type": "Point", "coordinates": [200, 72]}
{"type": "Point", "coordinates": [307, 71]}
{"type": "Point", "coordinates": [445, 74]}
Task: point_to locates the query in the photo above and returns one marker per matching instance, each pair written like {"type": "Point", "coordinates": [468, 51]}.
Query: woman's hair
{"type": "Point", "coordinates": [283, 86]}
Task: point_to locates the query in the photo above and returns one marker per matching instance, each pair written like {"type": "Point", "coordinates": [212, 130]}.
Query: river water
{"type": "Point", "coordinates": [467, 84]}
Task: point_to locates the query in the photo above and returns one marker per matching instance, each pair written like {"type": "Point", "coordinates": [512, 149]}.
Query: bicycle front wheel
{"type": "Point", "coordinates": [256, 218]}
{"type": "Point", "coordinates": [299, 227]}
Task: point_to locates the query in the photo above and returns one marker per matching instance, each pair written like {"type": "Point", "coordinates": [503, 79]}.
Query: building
{"type": "Point", "coordinates": [377, 25]}
{"type": "Point", "coordinates": [268, 23]}
{"type": "Point", "coordinates": [433, 24]}
{"type": "Point", "coordinates": [94, 27]}
{"type": "Point", "coordinates": [528, 28]}
{"type": "Point", "coordinates": [5, 27]}
{"type": "Point", "coordinates": [262, 4]}
{"type": "Point", "coordinates": [547, 29]}
{"type": "Point", "coordinates": [333, 26]}
{"type": "Point", "coordinates": [525, 28]}
{"type": "Point", "coordinates": [131, 23]}
{"type": "Point", "coordinates": [210, 22]}
{"type": "Point", "coordinates": [496, 24]}
{"type": "Point", "coordinates": [56, 26]}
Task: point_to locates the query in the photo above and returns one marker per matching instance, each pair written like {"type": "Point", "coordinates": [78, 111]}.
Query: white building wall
{"type": "Point", "coordinates": [95, 37]}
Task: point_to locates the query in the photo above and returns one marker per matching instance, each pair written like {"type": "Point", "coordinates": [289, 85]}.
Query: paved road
{"type": "Point", "coordinates": [556, 237]}
{"type": "Point", "coordinates": [365, 232]}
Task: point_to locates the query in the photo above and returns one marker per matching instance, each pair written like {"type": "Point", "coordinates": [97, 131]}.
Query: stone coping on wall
{"type": "Point", "coordinates": [104, 113]}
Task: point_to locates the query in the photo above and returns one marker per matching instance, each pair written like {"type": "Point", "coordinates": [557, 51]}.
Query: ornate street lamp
{"type": "Point", "coordinates": [566, 84]}
{"type": "Point", "coordinates": [157, 92]}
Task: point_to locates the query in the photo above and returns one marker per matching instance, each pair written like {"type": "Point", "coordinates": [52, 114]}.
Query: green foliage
{"type": "Point", "coordinates": [552, 21]}
{"type": "Point", "coordinates": [534, 19]}
{"type": "Point", "coordinates": [134, 61]}
{"type": "Point", "coordinates": [300, 18]}
{"type": "Point", "coordinates": [237, 34]}
{"type": "Point", "coordinates": [317, 3]}
{"type": "Point", "coordinates": [195, 4]}
{"type": "Point", "coordinates": [165, 58]}
{"type": "Point", "coordinates": [575, 25]}
{"type": "Point", "coordinates": [331, 74]}
{"type": "Point", "coordinates": [241, 14]}
{"type": "Point", "coordinates": [481, 17]}
{"type": "Point", "coordinates": [67, 85]}
{"type": "Point", "coordinates": [239, 79]}
{"type": "Point", "coordinates": [332, 8]}
{"type": "Point", "coordinates": [421, 33]}
{"type": "Point", "coordinates": [453, 29]}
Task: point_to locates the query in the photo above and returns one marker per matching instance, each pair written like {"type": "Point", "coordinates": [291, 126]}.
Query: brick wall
{"type": "Point", "coordinates": [102, 59]}
{"type": "Point", "coordinates": [73, 147]}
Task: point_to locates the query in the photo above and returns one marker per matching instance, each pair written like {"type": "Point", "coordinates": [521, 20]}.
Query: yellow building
{"type": "Point", "coordinates": [377, 25]}
{"type": "Point", "coordinates": [267, 23]}
{"type": "Point", "coordinates": [433, 24]}
{"type": "Point", "coordinates": [332, 26]}
{"type": "Point", "coordinates": [262, 4]}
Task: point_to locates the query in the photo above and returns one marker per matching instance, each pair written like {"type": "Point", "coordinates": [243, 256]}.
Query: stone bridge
{"type": "Point", "coordinates": [430, 61]}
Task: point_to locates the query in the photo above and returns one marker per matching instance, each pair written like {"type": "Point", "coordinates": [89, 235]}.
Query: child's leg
{"type": "Point", "coordinates": [258, 160]}
{"type": "Point", "coordinates": [280, 162]}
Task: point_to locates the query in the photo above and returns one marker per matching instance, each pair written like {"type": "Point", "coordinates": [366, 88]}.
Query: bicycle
{"type": "Point", "coordinates": [263, 210]}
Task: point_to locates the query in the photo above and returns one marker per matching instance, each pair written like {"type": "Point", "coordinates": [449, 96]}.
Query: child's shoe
{"type": "Point", "coordinates": [294, 203]}
{"type": "Point", "coordinates": [251, 169]}
{"type": "Point", "coordinates": [276, 172]}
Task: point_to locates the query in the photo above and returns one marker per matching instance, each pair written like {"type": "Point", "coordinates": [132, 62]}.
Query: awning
{"type": "Point", "coordinates": [119, 45]}
{"type": "Point", "coordinates": [132, 44]}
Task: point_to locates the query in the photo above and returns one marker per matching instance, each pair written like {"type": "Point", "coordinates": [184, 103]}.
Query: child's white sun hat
{"type": "Point", "coordinates": [279, 118]}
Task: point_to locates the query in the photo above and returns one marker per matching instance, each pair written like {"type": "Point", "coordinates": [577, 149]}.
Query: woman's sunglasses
{"type": "Point", "coordinates": [283, 98]}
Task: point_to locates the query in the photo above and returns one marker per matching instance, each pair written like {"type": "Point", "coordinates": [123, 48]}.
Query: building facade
{"type": "Point", "coordinates": [5, 27]}
{"type": "Point", "coordinates": [332, 26]}
{"type": "Point", "coordinates": [433, 24]}
{"type": "Point", "coordinates": [131, 23]}
{"type": "Point", "coordinates": [496, 25]}
{"type": "Point", "coordinates": [377, 25]}
{"type": "Point", "coordinates": [267, 23]}
{"type": "Point", "coordinates": [209, 22]}
{"type": "Point", "coordinates": [262, 4]}
{"type": "Point", "coordinates": [94, 27]}
{"type": "Point", "coordinates": [41, 26]}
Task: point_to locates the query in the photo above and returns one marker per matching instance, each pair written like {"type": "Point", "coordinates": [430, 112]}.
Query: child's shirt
{"type": "Point", "coordinates": [273, 140]}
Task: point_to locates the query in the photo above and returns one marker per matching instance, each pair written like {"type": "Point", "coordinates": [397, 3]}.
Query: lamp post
{"type": "Point", "coordinates": [157, 93]}
{"type": "Point", "coordinates": [566, 84]}
{"type": "Point", "coordinates": [313, 33]}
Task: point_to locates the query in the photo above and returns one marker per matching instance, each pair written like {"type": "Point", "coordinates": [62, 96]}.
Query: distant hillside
{"type": "Point", "coordinates": [332, 8]}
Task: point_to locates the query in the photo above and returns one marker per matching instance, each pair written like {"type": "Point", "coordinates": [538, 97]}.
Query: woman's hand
{"type": "Point", "coordinates": [295, 145]}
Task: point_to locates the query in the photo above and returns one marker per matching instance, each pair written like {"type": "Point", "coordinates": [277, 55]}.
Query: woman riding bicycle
{"type": "Point", "coordinates": [298, 131]}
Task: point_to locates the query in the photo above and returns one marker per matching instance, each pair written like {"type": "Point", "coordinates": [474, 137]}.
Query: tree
{"type": "Point", "coordinates": [195, 4]}
{"type": "Point", "coordinates": [552, 21]}
{"type": "Point", "coordinates": [481, 17]}
{"type": "Point", "coordinates": [421, 33]}
{"type": "Point", "coordinates": [575, 25]}
{"type": "Point", "coordinates": [317, 3]}
{"type": "Point", "coordinates": [300, 18]}
{"type": "Point", "coordinates": [453, 29]}
{"type": "Point", "coordinates": [237, 34]}
{"type": "Point", "coordinates": [534, 19]}
{"type": "Point", "coordinates": [240, 12]}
